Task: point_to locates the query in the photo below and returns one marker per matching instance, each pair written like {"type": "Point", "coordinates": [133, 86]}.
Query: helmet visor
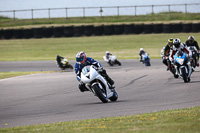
{"type": "Point", "coordinates": [79, 59]}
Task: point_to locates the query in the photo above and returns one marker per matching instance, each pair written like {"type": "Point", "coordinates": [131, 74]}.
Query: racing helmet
{"type": "Point", "coordinates": [191, 39]}
{"type": "Point", "coordinates": [170, 41]}
{"type": "Point", "coordinates": [176, 42]}
{"type": "Point", "coordinates": [107, 52]}
{"type": "Point", "coordinates": [141, 49]}
{"type": "Point", "coordinates": [81, 57]}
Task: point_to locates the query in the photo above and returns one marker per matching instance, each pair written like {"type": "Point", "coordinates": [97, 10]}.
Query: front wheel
{"type": "Point", "coordinates": [100, 93]}
{"type": "Point", "coordinates": [184, 75]}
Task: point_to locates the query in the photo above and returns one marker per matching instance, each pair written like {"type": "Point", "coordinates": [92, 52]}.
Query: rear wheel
{"type": "Point", "coordinates": [118, 62]}
{"type": "Point", "coordinates": [100, 93]}
{"type": "Point", "coordinates": [70, 66]}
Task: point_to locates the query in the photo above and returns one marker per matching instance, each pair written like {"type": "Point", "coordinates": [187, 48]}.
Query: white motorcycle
{"type": "Point", "coordinates": [97, 84]}
{"type": "Point", "coordinates": [111, 60]}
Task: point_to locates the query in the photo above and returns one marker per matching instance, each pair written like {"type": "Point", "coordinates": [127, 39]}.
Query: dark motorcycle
{"type": "Point", "coordinates": [63, 63]}
{"type": "Point", "coordinates": [194, 58]}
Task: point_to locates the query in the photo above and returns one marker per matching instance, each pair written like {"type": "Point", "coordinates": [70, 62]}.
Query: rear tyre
{"type": "Point", "coordinates": [100, 94]}
{"type": "Point", "coordinates": [70, 66]}
{"type": "Point", "coordinates": [118, 62]}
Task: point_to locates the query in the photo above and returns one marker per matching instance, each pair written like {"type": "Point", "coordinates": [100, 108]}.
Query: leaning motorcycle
{"type": "Point", "coordinates": [63, 64]}
{"type": "Point", "coordinates": [146, 59]}
{"type": "Point", "coordinates": [97, 84]}
{"type": "Point", "coordinates": [182, 61]}
{"type": "Point", "coordinates": [112, 60]}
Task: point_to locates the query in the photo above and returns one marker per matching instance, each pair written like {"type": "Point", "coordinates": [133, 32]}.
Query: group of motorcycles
{"type": "Point", "coordinates": [185, 64]}
{"type": "Point", "coordinates": [99, 86]}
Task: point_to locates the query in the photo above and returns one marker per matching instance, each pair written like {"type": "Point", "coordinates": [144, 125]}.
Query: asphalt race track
{"type": "Point", "coordinates": [54, 97]}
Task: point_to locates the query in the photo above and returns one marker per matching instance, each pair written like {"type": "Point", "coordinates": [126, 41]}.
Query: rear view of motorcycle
{"type": "Point", "coordinates": [182, 62]}
{"type": "Point", "coordinates": [146, 59]}
{"type": "Point", "coordinates": [63, 63]}
{"type": "Point", "coordinates": [97, 84]}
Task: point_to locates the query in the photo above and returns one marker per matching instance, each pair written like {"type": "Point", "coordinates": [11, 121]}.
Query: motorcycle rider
{"type": "Point", "coordinates": [108, 54]}
{"type": "Point", "coordinates": [166, 52]}
{"type": "Point", "coordinates": [59, 59]}
{"type": "Point", "coordinates": [81, 61]}
{"type": "Point", "coordinates": [141, 53]}
{"type": "Point", "coordinates": [192, 42]}
{"type": "Point", "coordinates": [177, 45]}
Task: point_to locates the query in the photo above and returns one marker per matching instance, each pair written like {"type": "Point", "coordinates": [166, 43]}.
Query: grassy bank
{"type": "Point", "coordinates": [181, 120]}
{"type": "Point", "coordinates": [160, 17]}
{"type": "Point", "coordinates": [124, 46]}
{"type": "Point", "coordinates": [4, 75]}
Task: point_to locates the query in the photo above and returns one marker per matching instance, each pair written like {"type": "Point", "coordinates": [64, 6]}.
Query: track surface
{"type": "Point", "coordinates": [54, 97]}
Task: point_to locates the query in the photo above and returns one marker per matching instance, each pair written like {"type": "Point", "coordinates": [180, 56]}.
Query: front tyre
{"type": "Point", "coordinates": [100, 94]}
{"type": "Point", "coordinates": [184, 75]}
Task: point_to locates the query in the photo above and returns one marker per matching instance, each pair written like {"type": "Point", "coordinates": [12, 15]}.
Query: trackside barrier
{"type": "Point", "coordinates": [138, 28]}
{"type": "Point", "coordinates": [69, 31]}
{"type": "Point", "coordinates": [88, 30]}
{"type": "Point", "coordinates": [48, 32]}
{"type": "Point", "coordinates": [98, 30]}
{"type": "Point", "coordinates": [58, 31]}
{"type": "Point", "coordinates": [78, 31]}
{"type": "Point", "coordinates": [28, 33]}
{"type": "Point", "coordinates": [148, 28]}
{"type": "Point", "coordinates": [129, 28]}
{"type": "Point", "coordinates": [108, 30]}
{"type": "Point", "coordinates": [118, 29]}
{"type": "Point", "coordinates": [167, 28]}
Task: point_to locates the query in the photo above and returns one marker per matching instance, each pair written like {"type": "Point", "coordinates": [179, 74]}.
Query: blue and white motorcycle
{"type": "Point", "coordinates": [146, 59]}
{"type": "Point", "coordinates": [97, 84]}
{"type": "Point", "coordinates": [182, 65]}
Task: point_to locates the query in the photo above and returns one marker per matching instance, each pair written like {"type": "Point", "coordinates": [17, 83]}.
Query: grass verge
{"type": "Point", "coordinates": [4, 75]}
{"type": "Point", "coordinates": [124, 46]}
{"type": "Point", "coordinates": [179, 120]}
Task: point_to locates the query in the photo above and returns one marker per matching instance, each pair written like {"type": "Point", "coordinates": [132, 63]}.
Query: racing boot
{"type": "Point", "coordinates": [111, 82]}
{"type": "Point", "coordinates": [82, 87]}
{"type": "Point", "coordinates": [198, 63]}
{"type": "Point", "coordinates": [176, 73]}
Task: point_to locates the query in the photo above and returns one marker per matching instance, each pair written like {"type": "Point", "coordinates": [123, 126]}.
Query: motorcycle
{"type": "Point", "coordinates": [194, 56]}
{"type": "Point", "coordinates": [63, 63]}
{"type": "Point", "coordinates": [146, 59]}
{"type": "Point", "coordinates": [183, 65]}
{"type": "Point", "coordinates": [112, 60]}
{"type": "Point", "coordinates": [97, 84]}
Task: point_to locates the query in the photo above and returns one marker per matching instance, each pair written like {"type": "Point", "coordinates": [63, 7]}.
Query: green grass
{"type": "Point", "coordinates": [180, 120]}
{"type": "Point", "coordinates": [124, 46]}
{"type": "Point", "coordinates": [4, 75]}
{"type": "Point", "coordinates": [162, 17]}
